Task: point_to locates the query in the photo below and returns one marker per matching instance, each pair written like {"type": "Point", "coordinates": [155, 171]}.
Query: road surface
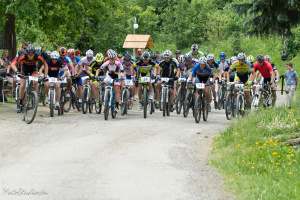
{"type": "Point", "coordinates": [83, 157]}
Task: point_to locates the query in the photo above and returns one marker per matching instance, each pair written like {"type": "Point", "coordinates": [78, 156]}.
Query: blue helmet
{"type": "Point", "coordinates": [222, 55]}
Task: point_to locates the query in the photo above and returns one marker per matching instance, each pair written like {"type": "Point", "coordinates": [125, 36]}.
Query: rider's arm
{"type": "Point", "coordinates": [13, 64]}
{"type": "Point", "coordinates": [45, 65]}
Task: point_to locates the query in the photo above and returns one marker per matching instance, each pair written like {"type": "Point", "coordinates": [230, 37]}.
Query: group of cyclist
{"type": "Point", "coordinates": [195, 66]}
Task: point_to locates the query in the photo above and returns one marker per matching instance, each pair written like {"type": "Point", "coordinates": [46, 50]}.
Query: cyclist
{"type": "Point", "coordinates": [250, 60]}
{"type": "Point", "coordinates": [177, 54]}
{"type": "Point", "coordinates": [291, 82]}
{"type": "Point", "coordinates": [129, 69]}
{"type": "Point", "coordinates": [145, 68]}
{"type": "Point", "coordinates": [223, 65]}
{"type": "Point", "coordinates": [95, 71]}
{"type": "Point", "coordinates": [75, 59]}
{"type": "Point", "coordinates": [195, 52]}
{"type": "Point", "coordinates": [167, 69]}
{"type": "Point", "coordinates": [242, 70]}
{"type": "Point", "coordinates": [28, 63]}
{"type": "Point", "coordinates": [56, 69]}
{"type": "Point", "coordinates": [83, 69]}
{"type": "Point", "coordinates": [265, 69]}
{"type": "Point", "coordinates": [276, 79]}
{"type": "Point", "coordinates": [216, 74]}
{"type": "Point", "coordinates": [114, 70]}
{"type": "Point", "coordinates": [66, 60]}
{"type": "Point", "coordinates": [201, 74]}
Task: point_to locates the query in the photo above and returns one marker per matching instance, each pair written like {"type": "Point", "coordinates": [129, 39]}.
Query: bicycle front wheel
{"type": "Point", "coordinates": [31, 106]}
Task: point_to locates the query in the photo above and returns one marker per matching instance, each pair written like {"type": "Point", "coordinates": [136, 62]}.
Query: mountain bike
{"type": "Point", "coordinates": [201, 103]}
{"type": "Point", "coordinates": [52, 95]}
{"type": "Point", "coordinates": [145, 81]}
{"type": "Point", "coordinates": [230, 102]}
{"type": "Point", "coordinates": [266, 95]}
{"type": "Point", "coordinates": [240, 99]}
{"type": "Point", "coordinates": [65, 101]}
{"type": "Point", "coordinates": [189, 99]}
{"type": "Point", "coordinates": [221, 94]}
{"type": "Point", "coordinates": [109, 99]}
{"type": "Point", "coordinates": [101, 90]}
{"type": "Point", "coordinates": [88, 102]}
{"type": "Point", "coordinates": [180, 94]}
{"type": "Point", "coordinates": [166, 95]}
{"type": "Point", "coordinates": [125, 96]}
{"type": "Point", "coordinates": [256, 94]}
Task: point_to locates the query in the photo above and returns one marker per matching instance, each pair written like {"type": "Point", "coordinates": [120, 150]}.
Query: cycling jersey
{"type": "Point", "coordinates": [145, 69]}
{"type": "Point", "coordinates": [223, 66]}
{"type": "Point", "coordinates": [265, 69]}
{"type": "Point", "coordinates": [54, 68]}
{"type": "Point", "coordinates": [168, 69]}
{"type": "Point", "coordinates": [94, 66]}
{"type": "Point", "coordinates": [201, 73]}
{"type": "Point", "coordinates": [28, 66]}
{"type": "Point", "coordinates": [113, 68]}
{"type": "Point", "coordinates": [240, 68]}
{"type": "Point", "coordinates": [128, 68]}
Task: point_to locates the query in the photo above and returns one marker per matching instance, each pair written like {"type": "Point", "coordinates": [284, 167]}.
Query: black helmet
{"type": "Point", "coordinates": [177, 52]}
{"type": "Point", "coordinates": [260, 58]}
{"type": "Point", "coordinates": [127, 56]}
{"type": "Point", "coordinates": [146, 56]}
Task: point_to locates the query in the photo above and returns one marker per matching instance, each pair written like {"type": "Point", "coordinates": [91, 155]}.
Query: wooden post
{"type": "Point", "coordinates": [10, 35]}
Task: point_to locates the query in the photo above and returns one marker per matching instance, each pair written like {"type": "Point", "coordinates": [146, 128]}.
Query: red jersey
{"type": "Point", "coordinates": [265, 69]}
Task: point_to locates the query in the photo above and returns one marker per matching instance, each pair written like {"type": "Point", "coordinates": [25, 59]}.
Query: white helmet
{"type": "Point", "coordinates": [89, 53]}
{"type": "Point", "coordinates": [181, 59]}
{"type": "Point", "coordinates": [54, 55]}
{"type": "Point", "coordinates": [267, 58]}
{"type": "Point", "coordinates": [111, 54]}
{"type": "Point", "coordinates": [202, 60]}
{"type": "Point", "coordinates": [210, 57]}
{"type": "Point", "coordinates": [241, 56]}
{"type": "Point", "coordinates": [233, 59]}
{"type": "Point", "coordinates": [167, 54]}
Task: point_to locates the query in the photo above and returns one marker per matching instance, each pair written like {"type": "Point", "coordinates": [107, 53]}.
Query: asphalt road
{"type": "Point", "coordinates": [83, 157]}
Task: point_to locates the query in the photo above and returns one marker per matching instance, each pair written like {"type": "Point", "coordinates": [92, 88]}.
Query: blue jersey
{"type": "Point", "coordinates": [202, 74]}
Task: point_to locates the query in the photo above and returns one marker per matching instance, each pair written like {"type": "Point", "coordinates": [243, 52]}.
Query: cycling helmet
{"type": "Point", "coordinates": [222, 55]}
{"type": "Point", "coordinates": [89, 53]}
{"type": "Point", "coordinates": [146, 56]}
{"type": "Point", "coordinates": [194, 47]}
{"type": "Point", "coordinates": [167, 54]}
{"type": "Point", "coordinates": [177, 52]}
{"type": "Point", "coordinates": [127, 57]}
{"type": "Point", "coordinates": [62, 51]}
{"type": "Point", "coordinates": [241, 56]}
{"type": "Point", "coordinates": [210, 57]}
{"type": "Point", "coordinates": [77, 52]}
{"type": "Point", "coordinates": [30, 49]}
{"type": "Point", "coordinates": [181, 59]}
{"type": "Point", "coordinates": [268, 58]}
{"type": "Point", "coordinates": [38, 50]}
{"type": "Point", "coordinates": [71, 51]}
{"type": "Point", "coordinates": [250, 59]}
{"type": "Point", "coordinates": [260, 58]}
{"type": "Point", "coordinates": [202, 60]}
{"type": "Point", "coordinates": [99, 57]}
{"type": "Point", "coordinates": [188, 57]}
{"type": "Point", "coordinates": [54, 55]}
{"type": "Point", "coordinates": [233, 59]}
{"type": "Point", "coordinates": [111, 54]}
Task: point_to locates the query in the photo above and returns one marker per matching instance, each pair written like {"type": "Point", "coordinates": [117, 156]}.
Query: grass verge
{"type": "Point", "coordinates": [252, 156]}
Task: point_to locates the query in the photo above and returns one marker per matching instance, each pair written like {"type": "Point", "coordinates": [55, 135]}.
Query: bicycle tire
{"type": "Point", "coordinates": [204, 108]}
{"type": "Point", "coordinates": [228, 107]}
{"type": "Point", "coordinates": [106, 104]}
{"type": "Point", "coordinates": [51, 102]}
{"type": "Point", "coordinates": [84, 105]}
{"type": "Point", "coordinates": [32, 98]}
{"type": "Point", "coordinates": [197, 109]}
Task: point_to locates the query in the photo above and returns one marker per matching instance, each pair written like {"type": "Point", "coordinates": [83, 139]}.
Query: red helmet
{"type": "Point", "coordinates": [77, 52]}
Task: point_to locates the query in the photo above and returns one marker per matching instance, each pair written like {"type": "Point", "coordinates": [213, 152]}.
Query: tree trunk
{"type": "Point", "coordinates": [10, 35]}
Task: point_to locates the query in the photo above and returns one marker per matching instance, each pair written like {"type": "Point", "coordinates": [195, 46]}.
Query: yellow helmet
{"type": "Point", "coordinates": [99, 57]}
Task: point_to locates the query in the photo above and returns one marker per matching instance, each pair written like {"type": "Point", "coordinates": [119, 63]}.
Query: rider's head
{"type": "Point", "coordinates": [30, 50]}
{"type": "Point", "coordinates": [260, 59]}
{"type": "Point", "coordinates": [99, 57]}
{"type": "Point", "coordinates": [112, 55]}
{"type": "Point", "coordinates": [222, 56]}
{"type": "Point", "coordinates": [267, 58]}
{"type": "Point", "coordinates": [210, 58]}
{"type": "Point", "coordinates": [194, 48]}
{"type": "Point", "coordinates": [71, 53]}
{"type": "Point", "coordinates": [188, 59]}
{"type": "Point", "coordinates": [62, 51]}
{"type": "Point", "coordinates": [202, 62]}
{"type": "Point", "coordinates": [167, 55]}
{"type": "Point", "coordinates": [54, 55]}
{"type": "Point", "coordinates": [241, 57]}
{"type": "Point", "coordinates": [89, 54]}
{"type": "Point", "coordinates": [146, 57]}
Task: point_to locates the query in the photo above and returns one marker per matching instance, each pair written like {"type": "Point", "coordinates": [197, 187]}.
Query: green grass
{"type": "Point", "coordinates": [253, 158]}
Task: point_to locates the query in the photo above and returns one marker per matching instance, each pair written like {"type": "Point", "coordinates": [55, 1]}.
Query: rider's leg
{"type": "Point", "coordinates": [117, 89]}
{"type": "Point", "coordinates": [94, 90]}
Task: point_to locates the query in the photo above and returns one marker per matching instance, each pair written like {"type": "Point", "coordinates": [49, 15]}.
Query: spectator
{"type": "Point", "coordinates": [291, 81]}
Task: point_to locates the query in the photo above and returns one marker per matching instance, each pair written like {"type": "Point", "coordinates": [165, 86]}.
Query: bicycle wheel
{"type": "Point", "coordinates": [67, 102]}
{"type": "Point", "coordinates": [112, 106]}
{"type": "Point", "coordinates": [51, 102]}
{"type": "Point", "coordinates": [228, 107]}
{"type": "Point", "coordinates": [186, 104]}
{"type": "Point", "coordinates": [197, 109]}
{"type": "Point", "coordinates": [169, 104]}
{"type": "Point", "coordinates": [124, 104]}
{"type": "Point", "coordinates": [241, 105]}
{"type": "Point", "coordinates": [145, 101]}
{"type": "Point", "coordinates": [106, 104]}
{"type": "Point", "coordinates": [204, 108]}
{"type": "Point", "coordinates": [42, 95]}
{"type": "Point", "coordinates": [98, 104]}
{"type": "Point", "coordinates": [178, 101]}
{"type": "Point", "coordinates": [91, 104]}
{"type": "Point", "coordinates": [152, 107]}
{"type": "Point", "coordinates": [85, 103]}
{"type": "Point", "coordinates": [31, 106]}
{"type": "Point", "coordinates": [164, 103]}
{"type": "Point", "coordinates": [220, 99]}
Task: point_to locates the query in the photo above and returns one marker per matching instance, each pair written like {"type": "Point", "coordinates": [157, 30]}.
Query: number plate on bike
{"type": "Point", "coordinates": [64, 80]}
{"type": "Point", "coordinates": [128, 82]}
{"type": "Point", "coordinates": [182, 79]}
{"type": "Point", "coordinates": [165, 80]}
{"type": "Point", "coordinates": [200, 85]}
{"type": "Point", "coordinates": [33, 78]}
{"type": "Point", "coordinates": [84, 78]}
{"type": "Point", "coordinates": [145, 79]}
{"type": "Point", "coordinates": [52, 80]}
